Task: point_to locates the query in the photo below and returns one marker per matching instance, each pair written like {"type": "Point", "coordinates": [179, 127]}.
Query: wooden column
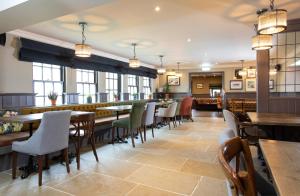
{"type": "Point", "coordinates": [262, 85]}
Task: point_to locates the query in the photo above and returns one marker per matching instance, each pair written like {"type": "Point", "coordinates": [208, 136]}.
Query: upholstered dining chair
{"type": "Point", "coordinates": [84, 128]}
{"type": "Point", "coordinates": [178, 117]}
{"type": "Point", "coordinates": [168, 114]}
{"type": "Point", "coordinates": [232, 122]}
{"type": "Point", "coordinates": [186, 108]}
{"type": "Point", "coordinates": [149, 118]}
{"type": "Point", "coordinates": [51, 136]}
{"type": "Point", "coordinates": [134, 121]}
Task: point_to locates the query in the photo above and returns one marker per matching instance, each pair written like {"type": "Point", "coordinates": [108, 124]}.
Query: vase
{"type": "Point", "coordinates": [53, 102]}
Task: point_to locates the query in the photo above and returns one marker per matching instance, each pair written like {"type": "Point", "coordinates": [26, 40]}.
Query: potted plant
{"type": "Point", "coordinates": [135, 96]}
{"type": "Point", "coordinates": [52, 96]}
{"type": "Point", "coordinates": [89, 99]}
{"type": "Point", "coordinates": [150, 96]}
{"type": "Point", "coordinates": [116, 97]}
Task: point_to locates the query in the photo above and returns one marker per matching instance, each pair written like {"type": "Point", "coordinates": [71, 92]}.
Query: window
{"type": "Point", "coordinates": [111, 88]}
{"type": "Point", "coordinates": [146, 87]}
{"type": "Point", "coordinates": [86, 84]}
{"type": "Point", "coordinates": [132, 86]}
{"type": "Point", "coordinates": [47, 78]}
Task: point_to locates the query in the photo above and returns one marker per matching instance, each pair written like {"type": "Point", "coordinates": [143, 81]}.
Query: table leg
{"type": "Point", "coordinates": [119, 139]}
{"type": "Point", "coordinates": [78, 147]}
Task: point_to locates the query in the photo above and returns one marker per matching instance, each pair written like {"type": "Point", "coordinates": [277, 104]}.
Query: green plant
{"type": "Point", "coordinates": [116, 96]}
{"type": "Point", "coordinates": [167, 88]}
{"type": "Point", "coordinates": [52, 95]}
{"type": "Point", "coordinates": [135, 96]}
{"type": "Point", "coordinates": [89, 99]}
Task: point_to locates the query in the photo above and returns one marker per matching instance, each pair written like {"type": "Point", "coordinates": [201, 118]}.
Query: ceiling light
{"type": "Point", "coordinates": [83, 50]}
{"type": "Point", "coordinates": [157, 8]}
{"type": "Point", "coordinates": [178, 74]}
{"type": "Point", "coordinates": [134, 62]}
{"type": "Point", "coordinates": [206, 65]}
{"type": "Point", "coordinates": [261, 42]}
{"type": "Point", "coordinates": [161, 70]}
{"type": "Point", "coordinates": [272, 21]}
{"type": "Point", "coordinates": [205, 68]}
{"type": "Point", "coordinates": [242, 72]}
{"type": "Point", "coordinates": [189, 40]}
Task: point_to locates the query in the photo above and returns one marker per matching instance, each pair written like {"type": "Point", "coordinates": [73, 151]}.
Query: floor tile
{"type": "Point", "coordinates": [210, 186]}
{"type": "Point", "coordinates": [95, 184]}
{"type": "Point", "coordinates": [141, 190]}
{"type": "Point", "coordinates": [177, 182]}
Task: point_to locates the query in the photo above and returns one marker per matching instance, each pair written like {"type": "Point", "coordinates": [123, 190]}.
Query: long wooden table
{"type": "Point", "coordinates": [283, 161]}
{"type": "Point", "coordinates": [275, 119]}
{"type": "Point", "coordinates": [37, 117]}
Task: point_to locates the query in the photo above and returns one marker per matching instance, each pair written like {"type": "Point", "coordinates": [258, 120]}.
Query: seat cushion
{"type": "Point", "coordinates": [122, 123]}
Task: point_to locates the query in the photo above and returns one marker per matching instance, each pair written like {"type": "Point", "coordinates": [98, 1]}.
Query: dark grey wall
{"type": "Point", "coordinates": [16, 101]}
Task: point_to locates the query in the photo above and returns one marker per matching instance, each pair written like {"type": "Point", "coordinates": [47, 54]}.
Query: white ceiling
{"type": "Point", "coordinates": [220, 30]}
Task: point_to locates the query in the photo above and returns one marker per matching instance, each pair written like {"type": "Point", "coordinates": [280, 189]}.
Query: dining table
{"type": "Point", "coordinates": [117, 109]}
{"type": "Point", "coordinates": [283, 161]}
{"type": "Point", "coordinates": [34, 118]}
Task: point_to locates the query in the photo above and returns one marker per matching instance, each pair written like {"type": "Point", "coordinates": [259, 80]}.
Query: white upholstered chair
{"type": "Point", "coordinates": [51, 136]}
{"type": "Point", "coordinates": [168, 113]}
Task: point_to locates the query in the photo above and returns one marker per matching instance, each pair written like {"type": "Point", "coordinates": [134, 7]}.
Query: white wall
{"type": "Point", "coordinates": [15, 75]}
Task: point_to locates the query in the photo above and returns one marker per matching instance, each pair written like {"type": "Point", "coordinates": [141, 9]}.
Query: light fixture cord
{"type": "Point", "coordinates": [134, 54]}
{"type": "Point", "coordinates": [178, 67]}
{"type": "Point", "coordinates": [161, 61]}
{"type": "Point", "coordinates": [82, 33]}
{"type": "Point", "coordinates": [272, 4]}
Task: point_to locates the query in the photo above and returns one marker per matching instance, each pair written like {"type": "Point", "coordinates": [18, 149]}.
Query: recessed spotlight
{"type": "Point", "coordinates": [157, 8]}
{"type": "Point", "coordinates": [205, 68]}
{"type": "Point", "coordinates": [189, 40]}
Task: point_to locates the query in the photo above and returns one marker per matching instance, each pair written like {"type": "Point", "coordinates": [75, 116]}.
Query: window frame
{"type": "Point", "coordinates": [116, 78]}
{"type": "Point", "coordinates": [131, 87]}
{"type": "Point", "coordinates": [146, 88]}
{"type": "Point", "coordinates": [83, 83]}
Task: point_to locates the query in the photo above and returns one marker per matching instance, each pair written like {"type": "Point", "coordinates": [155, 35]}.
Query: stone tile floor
{"type": "Point", "coordinates": [180, 161]}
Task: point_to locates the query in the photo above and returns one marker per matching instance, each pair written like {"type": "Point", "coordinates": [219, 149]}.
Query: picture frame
{"type": "Point", "coordinates": [251, 73]}
{"type": "Point", "coordinates": [251, 85]}
{"type": "Point", "coordinates": [173, 80]}
{"type": "Point", "coordinates": [237, 75]}
{"type": "Point", "coordinates": [199, 86]}
{"type": "Point", "coordinates": [271, 84]}
{"type": "Point", "coordinates": [236, 84]}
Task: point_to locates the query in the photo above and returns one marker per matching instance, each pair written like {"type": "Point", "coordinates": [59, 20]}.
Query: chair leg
{"type": "Point", "coordinates": [112, 135]}
{"type": "Point", "coordinates": [92, 141]}
{"type": "Point", "coordinates": [132, 138]}
{"type": "Point", "coordinates": [66, 157]}
{"type": "Point", "coordinates": [46, 161]}
{"type": "Point", "coordinates": [168, 119]}
{"type": "Point", "coordinates": [40, 168]}
{"type": "Point", "coordinates": [152, 130]}
{"type": "Point", "coordinates": [14, 164]}
{"type": "Point", "coordinates": [145, 133]}
{"type": "Point", "coordinates": [141, 135]}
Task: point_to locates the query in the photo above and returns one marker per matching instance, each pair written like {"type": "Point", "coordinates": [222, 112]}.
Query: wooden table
{"type": "Point", "coordinates": [117, 109]}
{"type": "Point", "coordinates": [283, 161]}
{"type": "Point", "coordinates": [274, 119]}
{"type": "Point", "coordinates": [37, 117]}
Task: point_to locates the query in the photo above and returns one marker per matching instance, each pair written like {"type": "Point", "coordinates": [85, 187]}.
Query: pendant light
{"type": "Point", "coordinates": [83, 50]}
{"type": "Point", "coordinates": [134, 62]}
{"type": "Point", "coordinates": [242, 72]}
{"type": "Point", "coordinates": [261, 42]}
{"type": "Point", "coordinates": [161, 70]}
{"type": "Point", "coordinates": [178, 74]}
{"type": "Point", "coordinates": [272, 21]}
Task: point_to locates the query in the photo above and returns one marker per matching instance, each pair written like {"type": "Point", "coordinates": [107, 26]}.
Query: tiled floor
{"type": "Point", "coordinates": [181, 161]}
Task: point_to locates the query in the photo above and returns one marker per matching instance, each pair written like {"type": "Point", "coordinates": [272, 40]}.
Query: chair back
{"type": "Point", "coordinates": [171, 110]}
{"type": "Point", "coordinates": [231, 121]}
{"type": "Point", "coordinates": [242, 180]}
{"type": "Point", "coordinates": [53, 132]}
{"type": "Point", "coordinates": [136, 114]}
{"type": "Point", "coordinates": [186, 106]}
{"type": "Point", "coordinates": [86, 123]}
{"type": "Point", "coordinates": [178, 108]}
{"type": "Point", "coordinates": [149, 116]}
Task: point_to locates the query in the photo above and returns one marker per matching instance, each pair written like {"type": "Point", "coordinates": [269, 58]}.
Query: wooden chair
{"type": "Point", "coordinates": [230, 157]}
{"type": "Point", "coordinates": [84, 128]}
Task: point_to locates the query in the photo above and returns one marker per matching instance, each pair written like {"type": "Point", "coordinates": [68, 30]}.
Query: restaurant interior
{"type": "Point", "coordinates": [150, 97]}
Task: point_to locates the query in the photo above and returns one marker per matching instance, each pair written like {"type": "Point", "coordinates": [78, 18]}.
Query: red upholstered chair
{"type": "Point", "coordinates": [186, 108]}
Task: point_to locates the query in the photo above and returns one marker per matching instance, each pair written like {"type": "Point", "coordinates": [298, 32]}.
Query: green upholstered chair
{"type": "Point", "coordinates": [134, 121]}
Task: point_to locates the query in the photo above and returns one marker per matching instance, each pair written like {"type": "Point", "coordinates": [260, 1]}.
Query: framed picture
{"type": "Point", "coordinates": [173, 80]}
{"type": "Point", "coordinates": [236, 84]}
{"type": "Point", "coordinates": [251, 85]}
{"type": "Point", "coordinates": [271, 84]}
{"type": "Point", "coordinates": [251, 73]}
{"type": "Point", "coordinates": [237, 75]}
{"type": "Point", "coordinates": [199, 85]}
